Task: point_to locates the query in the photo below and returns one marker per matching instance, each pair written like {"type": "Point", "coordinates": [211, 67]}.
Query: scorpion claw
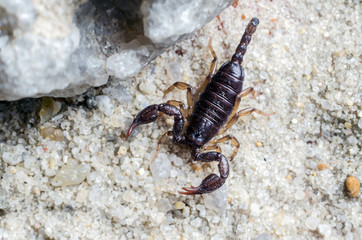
{"type": "Point", "coordinates": [189, 191]}
{"type": "Point", "coordinates": [209, 184]}
{"type": "Point", "coordinates": [130, 130]}
{"type": "Point", "coordinates": [147, 115]}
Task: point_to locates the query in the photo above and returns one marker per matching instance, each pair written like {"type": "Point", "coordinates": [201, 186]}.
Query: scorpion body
{"type": "Point", "coordinates": [216, 107]}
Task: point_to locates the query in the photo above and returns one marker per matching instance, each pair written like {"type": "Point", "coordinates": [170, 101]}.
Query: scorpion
{"type": "Point", "coordinates": [214, 113]}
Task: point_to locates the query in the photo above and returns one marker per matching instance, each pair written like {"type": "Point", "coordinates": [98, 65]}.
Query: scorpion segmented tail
{"type": "Point", "coordinates": [245, 40]}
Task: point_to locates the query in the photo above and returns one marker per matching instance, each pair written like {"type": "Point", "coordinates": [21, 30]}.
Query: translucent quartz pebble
{"type": "Point", "coordinates": [263, 236]}
{"type": "Point", "coordinates": [217, 200]}
{"type": "Point", "coordinates": [105, 105]}
{"type": "Point", "coordinates": [71, 174]}
{"type": "Point", "coordinates": [312, 223]}
{"type": "Point", "coordinates": [16, 156]}
{"type": "Point", "coordinates": [161, 167]}
{"type": "Point", "coordinates": [49, 108]}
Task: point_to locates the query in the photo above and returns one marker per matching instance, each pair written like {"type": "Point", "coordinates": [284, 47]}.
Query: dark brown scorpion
{"type": "Point", "coordinates": [217, 106]}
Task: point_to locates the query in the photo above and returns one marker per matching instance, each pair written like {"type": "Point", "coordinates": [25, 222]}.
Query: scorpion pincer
{"type": "Point", "coordinates": [214, 112]}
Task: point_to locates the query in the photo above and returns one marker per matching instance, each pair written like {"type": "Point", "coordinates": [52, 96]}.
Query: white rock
{"type": "Point", "coordinates": [325, 229]}
{"type": "Point", "coordinates": [71, 174]}
{"type": "Point", "coordinates": [196, 222]}
{"type": "Point", "coordinates": [16, 156]}
{"type": "Point", "coordinates": [164, 205]}
{"type": "Point", "coordinates": [147, 87]}
{"type": "Point", "coordinates": [165, 21]}
{"type": "Point", "coordinates": [263, 236]}
{"type": "Point", "coordinates": [104, 103]}
{"type": "Point", "coordinates": [60, 48]}
{"type": "Point", "coordinates": [126, 63]}
{"type": "Point", "coordinates": [161, 167]}
{"type": "Point", "coordinates": [312, 223]}
{"type": "Point", "coordinates": [299, 195]}
{"type": "Point", "coordinates": [217, 200]}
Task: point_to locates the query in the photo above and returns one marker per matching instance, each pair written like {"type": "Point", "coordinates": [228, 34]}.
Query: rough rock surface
{"type": "Point", "coordinates": [61, 48]}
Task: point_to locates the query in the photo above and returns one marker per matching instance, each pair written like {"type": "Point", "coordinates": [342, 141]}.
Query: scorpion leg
{"type": "Point", "coordinates": [150, 114]}
{"type": "Point", "coordinates": [213, 181]}
{"type": "Point", "coordinates": [245, 112]}
{"type": "Point", "coordinates": [212, 69]}
{"type": "Point", "coordinates": [234, 142]}
{"type": "Point", "coordinates": [183, 86]}
{"type": "Point", "coordinates": [163, 138]}
{"type": "Point", "coordinates": [213, 147]}
{"type": "Point", "coordinates": [242, 94]}
{"type": "Point", "coordinates": [179, 104]}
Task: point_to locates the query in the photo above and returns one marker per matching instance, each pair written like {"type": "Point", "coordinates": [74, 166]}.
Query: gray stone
{"type": "Point", "coordinates": [60, 49]}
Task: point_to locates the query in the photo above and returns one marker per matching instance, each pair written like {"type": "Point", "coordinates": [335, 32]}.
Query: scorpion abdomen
{"type": "Point", "coordinates": [216, 104]}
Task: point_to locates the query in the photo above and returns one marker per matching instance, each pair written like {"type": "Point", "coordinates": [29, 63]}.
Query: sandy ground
{"type": "Point", "coordinates": [82, 180]}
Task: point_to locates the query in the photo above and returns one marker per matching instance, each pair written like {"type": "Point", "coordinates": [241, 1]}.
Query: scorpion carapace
{"type": "Point", "coordinates": [214, 113]}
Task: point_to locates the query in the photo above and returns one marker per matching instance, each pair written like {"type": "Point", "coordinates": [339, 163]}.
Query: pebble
{"type": "Point", "coordinates": [258, 144]}
{"type": "Point", "coordinates": [217, 200]}
{"type": "Point", "coordinates": [82, 196]}
{"type": "Point", "coordinates": [16, 156]}
{"type": "Point", "coordinates": [347, 125]}
{"type": "Point", "coordinates": [52, 133]}
{"type": "Point", "coordinates": [179, 205]}
{"type": "Point", "coordinates": [148, 88]}
{"type": "Point", "coordinates": [105, 105]}
{"type": "Point", "coordinates": [161, 167]}
{"type": "Point", "coordinates": [322, 166]}
{"type": "Point", "coordinates": [352, 186]}
{"type": "Point", "coordinates": [325, 230]}
{"type": "Point", "coordinates": [196, 222]}
{"type": "Point", "coordinates": [263, 75]}
{"type": "Point", "coordinates": [49, 108]}
{"type": "Point", "coordinates": [141, 171]}
{"type": "Point", "coordinates": [312, 223]}
{"type": "Point", "coordinates": [122, 151]}
{"type": "Point", "coordinates": [263, 236]}
{"type": "Point", "coordinates": [71, 174]}
{"type": "Point", "coordinates": [299, 195]}
{"type": "Point", "coordinates": [254, 209]}
{"type": "Point", "coordinates": [164, 205]}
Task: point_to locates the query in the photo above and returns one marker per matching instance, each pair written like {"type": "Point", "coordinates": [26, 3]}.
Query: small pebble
{"type": "Point", "coordinates": [161, 167]}
{"type": "Point", "coordinates": [105, 104]}
{"type": "Point", "coordinates": [347, 125]}
{"type": "Point", "coordinates": [82, 196]}
{"type": "Point", "coordinates": [179, 205]}
{"type": "Point", "coordinates": [147, 87]}
{"type": "Point", "coordinates": [141, 171]}
{"type": "Point", "coordinates": [49, 108]}
{"type": "Point", "coordinates": [312, 223]}
{"type": "Point", "coordinates": [52, 133]}
{"type": "Point", "coordinates": [352, 186]}
{"type": "Point", "coordinates": [164, 205]}
{"type": "Point", "coordinates": [258, 144]}
{"type": "Point", "coordinates": [299, 195]}
{"type": "Point", "coordinates": [196, 222]}
{"type": "Point", "coordinates": [217, 200]}
{"type": "Point", "coordinates": [122, 151]}
{"type": "Point", "coordinates": [71, 174]}
{"type": "Point", "coordinates": [263, 236]}
{"type": "Point", "coordinates": [322, 166]}
{"type": "Point", "coordinates": [325, 230]}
